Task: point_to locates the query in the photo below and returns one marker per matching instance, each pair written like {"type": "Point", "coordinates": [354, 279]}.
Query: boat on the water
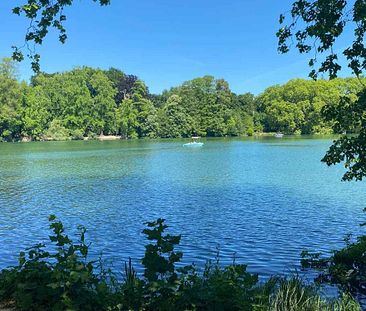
{"type": "Point", "coordinates": [278, 135]}
{"type": "Point", "coordinates": [194, 142]}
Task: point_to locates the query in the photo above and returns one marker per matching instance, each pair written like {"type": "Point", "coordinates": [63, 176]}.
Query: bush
{"type": "Point", "coordinates": [56, 131]}
{"type": "Point", "coordinates": [77, 134]}
{"type": "Point", "coordinates": [345, 268]}
{"type": "Point", "coordinates": [58, 280]}
{"type": "Point", "coordinates": [59, 277]}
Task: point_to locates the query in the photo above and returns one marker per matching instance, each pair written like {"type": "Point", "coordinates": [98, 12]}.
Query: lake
{"type": "Point", "coordinates": [263, 200]}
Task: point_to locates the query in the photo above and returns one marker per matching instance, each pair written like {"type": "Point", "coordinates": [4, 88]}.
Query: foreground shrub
{"type": "Point", "coordinates": [218, 288]}
{"type": "Point", "coordinates": [293, 295]}
{"type": "Point", "coordinates": [54, 278]}
{"type": "Point", "coordinates": [345, 268]}
{"type": "Point", "coordinates": [60, 277]}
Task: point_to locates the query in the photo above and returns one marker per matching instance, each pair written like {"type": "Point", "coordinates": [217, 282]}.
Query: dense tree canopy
{"type": "Point", "coordinates": [208, 107]}
{"type": "Point", "coordinates": [87, 102]}
{"type": "Point", "coordinates": [296, 106]}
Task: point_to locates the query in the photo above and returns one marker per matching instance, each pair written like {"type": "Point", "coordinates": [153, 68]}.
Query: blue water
{"type": "Point", "coordinates": [263, 200]}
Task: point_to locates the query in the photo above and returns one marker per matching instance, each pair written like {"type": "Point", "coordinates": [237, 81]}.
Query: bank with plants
{"type": "Point", "coordinates": [86, 103]}
{"type": "Point", "coordinates": [59, 276]}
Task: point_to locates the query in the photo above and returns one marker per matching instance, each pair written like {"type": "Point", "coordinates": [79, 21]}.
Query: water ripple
{"type": "Point", "coordinates": [261, 202]}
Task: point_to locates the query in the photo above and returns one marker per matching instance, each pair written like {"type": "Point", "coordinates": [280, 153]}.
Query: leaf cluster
{"type": "Point", "coordinates": [42, 15]}
{"type": "Point", "coordinates": [57, 277]}
{"type": "Point", "coordinates": [316, 25]}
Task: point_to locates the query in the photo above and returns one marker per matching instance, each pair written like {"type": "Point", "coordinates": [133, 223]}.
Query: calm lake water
{"type": "Point", "coordinates": [265, 199]}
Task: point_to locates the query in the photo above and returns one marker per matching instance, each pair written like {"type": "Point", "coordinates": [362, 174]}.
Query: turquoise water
{"type": "Point", "coordinates": [264, 200]}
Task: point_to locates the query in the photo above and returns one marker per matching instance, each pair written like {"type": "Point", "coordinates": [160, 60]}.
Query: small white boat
{"type": "Point", "coordinates": [194, 143]}
{"type": "Point", "coordinates": [278, 135]}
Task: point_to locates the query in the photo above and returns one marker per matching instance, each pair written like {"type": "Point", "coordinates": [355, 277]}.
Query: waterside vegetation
{"type": "Point", "coordinates": [59, 276]}
{"type": "Point", "coordinates": [88, 103]}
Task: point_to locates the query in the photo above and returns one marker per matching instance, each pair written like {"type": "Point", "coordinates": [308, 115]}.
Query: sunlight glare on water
{"type": "Point", "coordinates": [264, 200]}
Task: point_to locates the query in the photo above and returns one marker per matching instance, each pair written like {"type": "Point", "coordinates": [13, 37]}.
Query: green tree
{"type": "Point", "coordinates": [11, 96]}
{"type": "Point", "coordinates": [36, 114]}
{"type": "Point", "coordinates": [173, 121]}
{"type": "Point", "coordinates": [144, 109]}
{"type": "Point", "coordinates": [122, 83]}
{"type": "Point", "coordinates": [210, 104]}
{"type": "Point", "coordinates": [81, 99]}
{"type": "Point", "coordinates": [296, 106]}
{"type": "Point", "coordinates": [101, 115]}
{"type": "Point", "coordinates": [126, 119]}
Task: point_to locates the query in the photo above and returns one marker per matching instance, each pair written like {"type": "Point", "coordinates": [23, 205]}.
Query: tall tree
{"type": "Point", "coordinates": [82, 100]}
{"type": "Point", "coordinates": [122, 83]}
{"type": "Point", "coordinates": [10, 101]}
{"type": "Point", "coordinates": [126, 119]}
{"type": "Point", "coordinates": [144, 108]}
{"type": "Point", "coordinates": [173, 120]}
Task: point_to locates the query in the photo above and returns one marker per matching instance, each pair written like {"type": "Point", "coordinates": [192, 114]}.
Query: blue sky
{"type": "Point", "coordinates": [168, 42]}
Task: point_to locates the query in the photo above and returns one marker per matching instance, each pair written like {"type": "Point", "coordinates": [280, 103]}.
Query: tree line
{"type": "Point", "coordinates": [88, 102]}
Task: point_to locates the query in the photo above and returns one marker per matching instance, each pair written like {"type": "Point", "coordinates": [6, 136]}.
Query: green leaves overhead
{"type": "Point", "coordinates": [43, 15]}
{"type": "Point", "coordinates": [315, 26]}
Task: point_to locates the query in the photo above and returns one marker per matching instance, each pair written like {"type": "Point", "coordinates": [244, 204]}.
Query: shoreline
{"type": "Point", "coordinates": [118, 137]}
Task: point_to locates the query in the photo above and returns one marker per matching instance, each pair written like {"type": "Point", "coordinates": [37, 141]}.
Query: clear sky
{"type": "Point", "coordinates": [168, 42]}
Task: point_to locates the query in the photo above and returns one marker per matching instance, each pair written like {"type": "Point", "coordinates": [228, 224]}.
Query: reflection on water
{"type": "Point", "coordinates": [264, 200]}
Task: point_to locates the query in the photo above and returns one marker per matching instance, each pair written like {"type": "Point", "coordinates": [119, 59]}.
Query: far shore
{"type": "Point", "coordinates": [107, 137]}
{"type": "Point", "coordinates": [119, 137]}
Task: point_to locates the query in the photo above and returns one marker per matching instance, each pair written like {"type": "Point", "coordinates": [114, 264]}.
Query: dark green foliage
{"type": "Point", "coordinates": [316, 25]}
{"type": "Point", "coordinates": [345, 267]}
{"type": "Point", "coordinates": [59, 277]}
{"type": "Point", "coordinates": [122, 83]}
{"type": "Point", "coordinates": [173, 120]}
{"type": "Point", "coordinates": [348, 115]}
{"type": "Point", "coordinates": [54, 278]}
{"type": "Point", "coordinates": [228, 288]}
{"type": "Point", "coordinates": [205, 107]}
{"type": "Point", "coordinates": [162, 282]}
